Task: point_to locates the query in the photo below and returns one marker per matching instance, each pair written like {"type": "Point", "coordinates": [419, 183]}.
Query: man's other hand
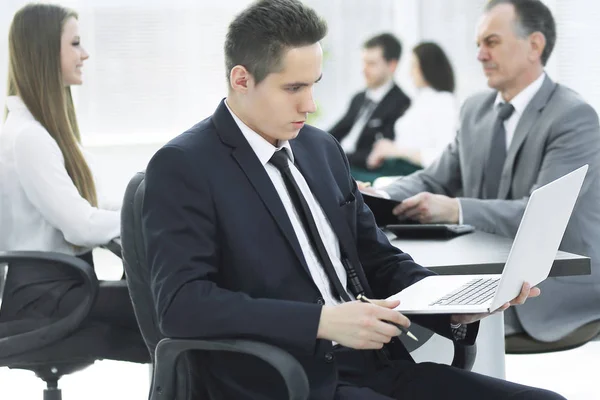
{"type": "Point", "coordinates": [526, 292]}
{"type": "Point", "coordinates": [428, 208]}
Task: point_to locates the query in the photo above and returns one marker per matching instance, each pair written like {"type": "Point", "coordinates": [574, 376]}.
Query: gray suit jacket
{"type": "Point", "coordinates": [557, 133]}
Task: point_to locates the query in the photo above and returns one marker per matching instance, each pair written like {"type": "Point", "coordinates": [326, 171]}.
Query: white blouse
{"type": "Point", "coordinates": [40, 207]}
{"type": "Point", "coordinates": [429, 124]}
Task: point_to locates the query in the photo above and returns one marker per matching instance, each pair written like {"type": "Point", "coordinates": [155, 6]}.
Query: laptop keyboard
{"type": "Point", "coordinates": [474, 292]}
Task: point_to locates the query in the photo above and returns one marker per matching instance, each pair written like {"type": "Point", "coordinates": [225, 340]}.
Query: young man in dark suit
{"type": "Point", "coordinates": [253, 224]}
{"type": "Point", "coordinates": [373, 112]}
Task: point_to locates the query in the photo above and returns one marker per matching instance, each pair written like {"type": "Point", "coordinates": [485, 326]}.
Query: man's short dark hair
{"type": "Point", "coordinates": [532, 16]}
{"type": "Point", "coordinates": [259, 36]}
{"type": "Point", "coordinates": [392, 49]}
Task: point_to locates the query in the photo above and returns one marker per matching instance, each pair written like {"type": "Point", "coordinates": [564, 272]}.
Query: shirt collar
{"type": "Point", "coordinates": [376, 95]}
{"type": "Point", "coordinates": [15, 104]}
{"type": "Point", "coordinates": [263, 149]}
{"type": "Point", "coordinates": [522, 99]}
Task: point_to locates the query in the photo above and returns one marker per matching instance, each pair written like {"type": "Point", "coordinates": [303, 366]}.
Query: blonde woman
{"type": "Point", "coordinates": [48, 199]}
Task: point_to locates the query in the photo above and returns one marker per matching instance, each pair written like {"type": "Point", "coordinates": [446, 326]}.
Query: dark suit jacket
{"type": "Point", "coordinates": [225, 261]}
{"type": "Point", "coordinates": [389, 109]}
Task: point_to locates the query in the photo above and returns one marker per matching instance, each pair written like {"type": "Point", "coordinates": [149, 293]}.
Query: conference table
{"type": "Point", "coordinates": [476, 253]}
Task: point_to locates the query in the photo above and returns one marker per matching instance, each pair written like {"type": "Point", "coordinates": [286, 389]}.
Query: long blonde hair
{"type": "Point", "coordinates": [34, 74]}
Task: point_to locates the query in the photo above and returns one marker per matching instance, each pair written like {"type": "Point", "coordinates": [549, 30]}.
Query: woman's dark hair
{"type": "Point", "coordinates": [435, 66]}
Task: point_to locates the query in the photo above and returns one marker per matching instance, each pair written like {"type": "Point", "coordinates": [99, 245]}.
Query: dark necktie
{"type": "Point", "coordinates": [497, 154]}
{"type": "Point", "coordinates": [367, 108]}
{"type": "Point", "coordinates": [281, 162]}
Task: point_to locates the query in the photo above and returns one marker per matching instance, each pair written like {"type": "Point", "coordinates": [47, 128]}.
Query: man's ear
{"type": "Point", "coordinates": [240, 79]}
{"type": "Point", "coordinates": [392, 65]}
{"type": "Point", "coordinates": [537, 41]}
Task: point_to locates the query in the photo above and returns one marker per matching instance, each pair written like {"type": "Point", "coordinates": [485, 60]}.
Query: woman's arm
{"type": "Point", "coordinates": [41, 170]}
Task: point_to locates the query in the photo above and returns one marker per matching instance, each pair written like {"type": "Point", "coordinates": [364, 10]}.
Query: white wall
{"type": "Point", "coordinates": [115, 165]}
{"type": "Point", "coordinates": [117, 96]}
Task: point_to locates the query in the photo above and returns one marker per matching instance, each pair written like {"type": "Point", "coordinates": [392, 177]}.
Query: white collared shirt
{"type": "Point", "coordinates": [377, 94]}
{"type": "Point", "coordinates": [264, 151]}
{"type": "Point", "coordinates": [350, 141]}
{"type": "Point", "coordinates": [429, 125]}
{"type": "Point", "coordinates": [40, 207]}
{"type": "Point", "coordinates": [519, 102]}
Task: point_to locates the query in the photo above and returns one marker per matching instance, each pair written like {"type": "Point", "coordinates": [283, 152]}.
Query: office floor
{"type": "Point", "coordinates": [571, 373]}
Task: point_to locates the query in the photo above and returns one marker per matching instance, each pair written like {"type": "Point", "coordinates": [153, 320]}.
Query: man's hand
{"type": "Point", "coordinates": [428, 208]}
{"type": "Point", "coordinates": [382, 149]}
{"type": "Point", "coordinates": [363, 185]}
{"type": "Point", "coordinates": [359, 325]}
{"type": "Point", "coordinates": [526, 292]}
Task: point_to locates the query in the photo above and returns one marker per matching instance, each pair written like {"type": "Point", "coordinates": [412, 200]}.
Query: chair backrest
{"type": "Point", "coordinates": [134, 262]}
{"type": "Point", "coordinates": [138, 280]}
{"type": "Point", "coordinates": [3, 275]}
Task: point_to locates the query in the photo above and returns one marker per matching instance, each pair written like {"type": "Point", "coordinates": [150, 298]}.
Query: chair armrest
{"type": "Point", "coordinates": [464, 355]}
{"type": "Point", "coordinates": [114, 246]}
{"type": "Point", "coordinates": [41, 336]}
{"type": "Point", "coordinates": [168, 350]}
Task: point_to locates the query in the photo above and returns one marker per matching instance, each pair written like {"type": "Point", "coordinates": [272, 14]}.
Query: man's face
{"type": "Point", "coordinates": [278, 106]}
{"type": "Point", "coordinates": [504, 55]}
{"type": "Point", "coordinates": [376, 69]}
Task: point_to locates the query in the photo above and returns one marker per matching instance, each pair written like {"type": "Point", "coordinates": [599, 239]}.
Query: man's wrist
{"type": "Point", "coordinates": [459, 331]}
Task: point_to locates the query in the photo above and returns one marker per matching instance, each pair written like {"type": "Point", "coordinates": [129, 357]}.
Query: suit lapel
{"type": "Point", "coordinates": [383, 103]}
{"type": "Point", "coordinates": [255, 172]}
{"type": "Point", "coordinates": [530, 116]}
{"type": "Point", "coordinates": [322, 191]}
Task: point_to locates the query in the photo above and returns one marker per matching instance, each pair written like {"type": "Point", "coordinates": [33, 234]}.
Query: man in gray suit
{"type": "Point", "coordinates": [526, 133]}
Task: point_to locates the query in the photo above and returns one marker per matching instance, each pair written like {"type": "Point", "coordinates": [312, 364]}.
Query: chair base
{"type": "Point", "coordinates": [52, 394]}
{"type": "Point", "coordinates": [51, 373]}
{"type": "Point", "coordinates": [524, 344]}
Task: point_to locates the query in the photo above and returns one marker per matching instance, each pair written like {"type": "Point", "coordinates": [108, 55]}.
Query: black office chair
{"type": "Point", "coordinates": [522, 343]}
{"type": "Point", "coordinates": [53, 347]}
{"type": "Point", "coordinates": [173, 359]}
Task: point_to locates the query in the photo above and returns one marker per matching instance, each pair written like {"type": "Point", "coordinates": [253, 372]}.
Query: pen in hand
{"type": "Point", "coordinates": [403, 329]}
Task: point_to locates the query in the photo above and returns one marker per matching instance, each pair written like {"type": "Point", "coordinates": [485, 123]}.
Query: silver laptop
{"type": "Point", "coordinates": [531, 257]}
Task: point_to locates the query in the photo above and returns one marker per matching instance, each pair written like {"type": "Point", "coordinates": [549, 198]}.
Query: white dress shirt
{"type": "Point", "coordinates": [264, 151]}
{"type": "Point", "coordinates": [349, 142]}
{"type": "Point", "coordinates": [428, 125]}
{"type": "Point", "coordinates": [40, 207]}
{"type": "Point", "coordinates": [519, 102]}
